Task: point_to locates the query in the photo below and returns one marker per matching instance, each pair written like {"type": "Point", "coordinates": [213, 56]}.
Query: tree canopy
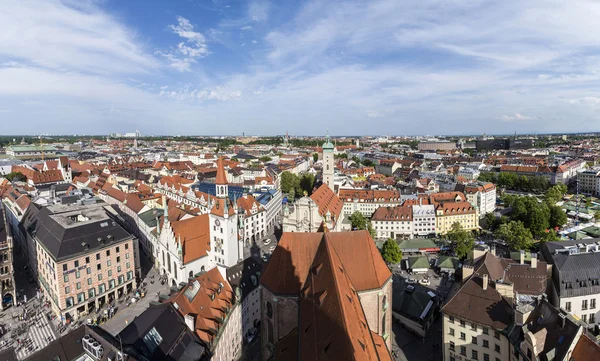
{"type": "Point", "coordinates": [555, 193]}
{"type": "Point", "coordinates": [535, 215]}
{"type": "Point", "coordinates": [265, 159]}
{"type": "Point", "coordinates": [359, 221]}
{"type": "Point", "coordinates": [15, 177]}
{"type": "Point", "coordinates": [516, 235]}
{"type": "Point", "coordinates": [295, 186]}
{"type": "Point", "coordinates": [315, 157]}
{"type": "Point", "coordinates": [462, 240]}
{"type": "Point", "coordinates": [516, 182]}
{"type": "Point", "coordinates": [390, 252]}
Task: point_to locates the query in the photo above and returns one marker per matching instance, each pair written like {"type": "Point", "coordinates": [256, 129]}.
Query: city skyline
{"type": "Point", "coordinates": [225, 67]}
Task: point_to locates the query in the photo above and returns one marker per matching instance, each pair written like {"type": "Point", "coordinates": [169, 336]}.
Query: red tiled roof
{"type": "Point", "coordinates": [290, 262]}
{"type": "Point", "coordinates": [194, 235]}
{"type": "Point", "coordinates": [398, 213]}
{"type": "Point", "coordinates": [585, 350]}
{"type": "Point", "coordinates": [210, 305]}
{"type": "Point", "coordinates": [326, 200]}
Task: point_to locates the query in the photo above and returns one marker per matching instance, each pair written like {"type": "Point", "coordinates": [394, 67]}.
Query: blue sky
{"type": "Point", "coordinates": [390, 67]}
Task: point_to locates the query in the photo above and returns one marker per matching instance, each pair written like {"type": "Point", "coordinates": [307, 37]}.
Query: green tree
{"type": "Point", "coordinates": [490, 221]}
{"type": "Point", "coordinates": [15, 177]}
{"type": "Point", "coordinates": [358, 220]}
{"type": "Point", "coordinates": [555, 193]}
{"type": "Point", "coordinates": [307, 182]}
{"type": "Point", "coordinates": [315, 157]}
{"type": "Point", "coordinates": [550, 236]}
{"type": "Point", "coordinates": [265, 159]}
{"type": "Point", "coordinates": [390, 252]}
{"type": "Point", "coordinates": [462, 240]}
{"type": "Point", "coordinates": [356, 160]}
{"type": "Point", "coordinates": [289, 181]}
{"type": "Point", "coordinates": [516, 235]}
{"type": "Point", "coordinates": [235, 159]}
{"type": "Point", "coordinates": [368, 163]}
{"type": "Point", "coordinates": [558, 217]}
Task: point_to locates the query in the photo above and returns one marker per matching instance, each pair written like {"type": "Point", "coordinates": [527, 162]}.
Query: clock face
{"type": "Point", "coordinates": [217, 222]}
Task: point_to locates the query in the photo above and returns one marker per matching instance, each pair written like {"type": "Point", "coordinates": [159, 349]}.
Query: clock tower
{"type": "Point", "coordinates": [226, 246]}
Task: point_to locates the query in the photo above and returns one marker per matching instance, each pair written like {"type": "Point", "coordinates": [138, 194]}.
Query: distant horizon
{"type": "Point", "coordinates": [303, 135]}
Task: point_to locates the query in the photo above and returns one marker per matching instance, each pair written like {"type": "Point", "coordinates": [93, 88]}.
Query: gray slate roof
{"type": "Point", "coordinates": [579, 271]}
{"type": "Point", "coordinates": [63, 240]}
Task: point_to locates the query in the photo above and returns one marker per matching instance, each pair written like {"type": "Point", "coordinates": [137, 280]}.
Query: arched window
{"type": "Point", "coordinates": [202, 269]}
{"type": "Point", "coordinates": [383, 325]}
{"type": "Point", "coordinates": [269, 310]}
{"type": "Point", "coordinates": [191, 274]}
{"type": "Point", "coordinates": [384, 302]}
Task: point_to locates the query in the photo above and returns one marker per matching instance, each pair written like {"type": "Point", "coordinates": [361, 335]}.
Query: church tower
{"type": "Point", "coordinates": [328, 164]}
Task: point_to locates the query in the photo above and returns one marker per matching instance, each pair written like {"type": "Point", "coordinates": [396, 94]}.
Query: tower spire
{"type": "Point", "coordinates": [221, 180]}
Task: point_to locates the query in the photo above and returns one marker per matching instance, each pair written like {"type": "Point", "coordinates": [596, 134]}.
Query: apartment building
{"type": "Point", "coordinates": [575, 277]}
{"type": "Point", "coordinates": [478, 319]}
{"type": "Point", "coordinates": [424, 222]}
{"type": "Point", "coordinates": [211, 309]}
{"type": "Point", "coordinates": [449, 213]}
{"type": "Point", "coordinates": [588, 181]}
{"type": "Point", "coordinates": [481, 195]}
{"type": "Point", "coordinates": [245, 276]}
{"type": "Point", "coordinates": [366, 201]}
{"type": "Point", "coordinates": [7, 278]}
{"type": "Point", "coordinates": [393, 222]}
{"type": "Point", "coordinates": [84, 258]}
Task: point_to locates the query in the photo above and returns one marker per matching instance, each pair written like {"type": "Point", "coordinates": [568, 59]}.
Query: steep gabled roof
{"type": "Point", "coordinates": [332, 323]}
{"type": "Point", "coordinates": [326, 200]}
{"type": "Point", "coordinates": [194, 235]}
{"type": "Point", "coordinates": [288, 267]}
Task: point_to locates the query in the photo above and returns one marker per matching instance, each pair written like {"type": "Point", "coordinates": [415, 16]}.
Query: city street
{"type": "Point", "coordinates": [26, 327]}
{"type": "Point", "coordinates": [409, 346]}
{"type": "Point", "coordinates": [125, 314]}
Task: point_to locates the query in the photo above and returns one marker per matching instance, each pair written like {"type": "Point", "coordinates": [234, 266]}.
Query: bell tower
{"type": "Point", "coordinates": [328, 163]}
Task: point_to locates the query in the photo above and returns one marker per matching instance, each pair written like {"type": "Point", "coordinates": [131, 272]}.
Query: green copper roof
{"type": "Point", "coordinates": [328, 144]}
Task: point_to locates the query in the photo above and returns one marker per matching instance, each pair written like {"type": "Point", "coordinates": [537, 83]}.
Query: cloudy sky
{"type": "Point", "coordinates": [266, 67]}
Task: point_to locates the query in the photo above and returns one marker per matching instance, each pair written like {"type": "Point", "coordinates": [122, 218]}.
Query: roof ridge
{"type": "Point", "coordinates": [330, 247]}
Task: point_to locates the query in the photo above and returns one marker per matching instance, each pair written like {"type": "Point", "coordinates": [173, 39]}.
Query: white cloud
{"type": "Point", "coordinates": [586, 100]}
{"type": "Point", "coordinates": [54, 35]}
{"type": "Point", "coordinates": [194, 47]}
{"type": "Point", "coordinates": [374, 114]}
{"type": "Point", "coordinates": [219, 93]}
{"type": "Point", "coordinates": [514, 117]}
{"type": "Point", "coordinates": [247, 27]}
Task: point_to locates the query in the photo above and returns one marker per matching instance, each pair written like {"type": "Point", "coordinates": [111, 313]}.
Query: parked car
{"type": "Point", "coordinates": [272, 248]}
{"type": "Point", "coordinates": [411, 280]}
{"type": "Point", "coordinates": [424, 282]}
{"type": "Point", "coordinates": [267, 241]}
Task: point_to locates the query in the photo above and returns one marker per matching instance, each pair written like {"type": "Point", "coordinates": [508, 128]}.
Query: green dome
{"type": "Point", "coordinates": [327, 144]}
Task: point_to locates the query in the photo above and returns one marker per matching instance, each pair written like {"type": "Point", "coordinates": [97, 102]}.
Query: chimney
{"type": "Point", "coordinates": [522, 257]}
{"type": "Point", "coordinates": [534, 260]}
{"type": "Point", "coordinates": [420, 201]}
{"type": "Point", "coordinates": [493, 250]}
{"type": "Point", "coordinates": [190, 321]}
{"type": "Point", "coordinates": [485, 282]}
